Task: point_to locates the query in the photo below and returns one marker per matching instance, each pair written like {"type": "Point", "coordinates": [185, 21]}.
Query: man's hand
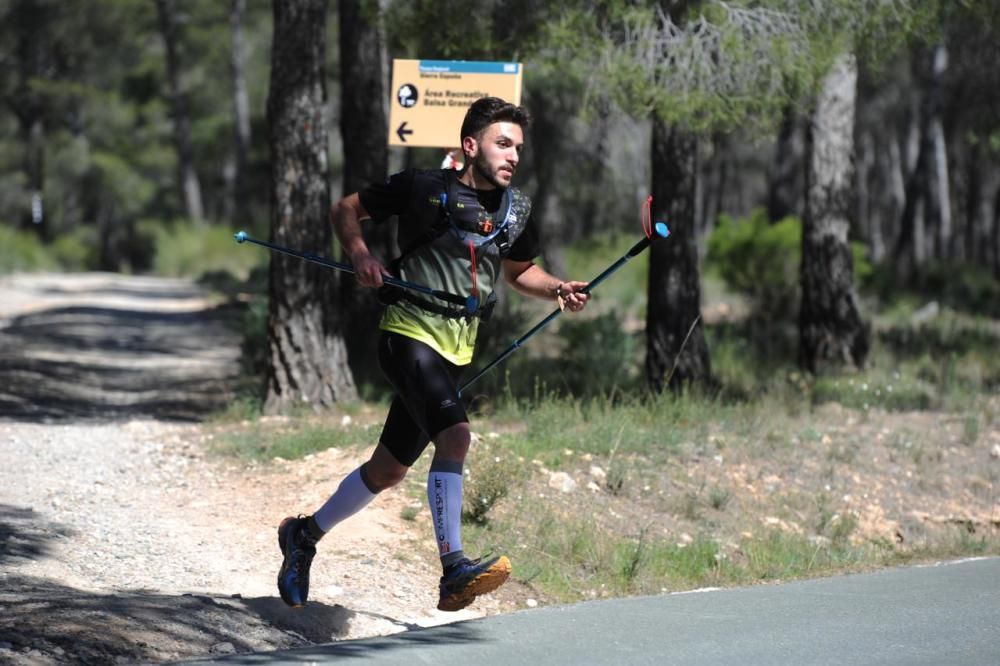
{"type": "Point", "coordinates": [368, 270]}
{"type": "Point", "coordinates": [570, 296]}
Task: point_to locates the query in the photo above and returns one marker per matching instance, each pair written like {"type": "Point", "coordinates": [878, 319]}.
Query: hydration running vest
{"type": "Point", "coordinates": [459, 246]}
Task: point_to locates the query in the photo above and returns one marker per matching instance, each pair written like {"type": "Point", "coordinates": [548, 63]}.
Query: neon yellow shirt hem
{"type": "Point", "coordinates": [454, 339]}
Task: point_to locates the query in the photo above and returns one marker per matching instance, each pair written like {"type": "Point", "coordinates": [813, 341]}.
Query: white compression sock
{"type": "Point", "coordinates": [444, 494]}
{"type": "Point", "coordinates": [352, 495]}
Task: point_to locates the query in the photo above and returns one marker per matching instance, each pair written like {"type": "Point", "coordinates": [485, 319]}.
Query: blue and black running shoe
{"type": "Point", "coordinates": [467, 579]}
{"type": "Point", "coordinates": [298, 549]}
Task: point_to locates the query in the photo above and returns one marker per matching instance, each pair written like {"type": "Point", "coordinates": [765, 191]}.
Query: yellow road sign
{"type": "Point", "coordinates": [430, 97]}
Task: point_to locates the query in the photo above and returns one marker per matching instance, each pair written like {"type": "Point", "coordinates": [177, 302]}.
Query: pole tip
{"type": "Point", "coordinates": [661, 230]}
{"type": "Point", "coordinates": [472, 304]}
{"type": "Point", "coordinates": [240, 236]}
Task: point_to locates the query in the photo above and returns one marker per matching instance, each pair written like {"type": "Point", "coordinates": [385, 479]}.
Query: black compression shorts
{"type": "Point", "coordinates": [426, 400]}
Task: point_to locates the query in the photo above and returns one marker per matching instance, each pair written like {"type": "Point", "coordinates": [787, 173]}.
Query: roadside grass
{"type": "Point", "coordinates": [288, 439]}
{"type": "Point", "coordinates": [778, 475]}
{"type": "Point", "coordinates": [676, 492]}
{"type": "Point", "coordinates": [634, 535]}
{"type": "Point", "coordinates": [568, 560]}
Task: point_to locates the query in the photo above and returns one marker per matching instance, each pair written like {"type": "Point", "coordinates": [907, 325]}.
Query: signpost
{"type": "Point", "coordinates": [430, 97]}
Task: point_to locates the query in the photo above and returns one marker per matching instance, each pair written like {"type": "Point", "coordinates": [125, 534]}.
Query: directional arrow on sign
{"type": "Point", "coordinates": [401, 132]}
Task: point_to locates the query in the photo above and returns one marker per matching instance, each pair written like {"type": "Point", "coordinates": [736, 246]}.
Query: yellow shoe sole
{"type": "Point", "coordinates": [482, 584]}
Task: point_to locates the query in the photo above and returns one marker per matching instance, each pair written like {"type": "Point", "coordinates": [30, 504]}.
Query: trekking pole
{"type": "Point", "coordinates": [470, 303]}
{"type": "Point", "coordinates": [661, 231]}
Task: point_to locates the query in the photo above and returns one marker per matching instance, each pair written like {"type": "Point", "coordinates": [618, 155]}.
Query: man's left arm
{"type": "Point", "coordinates": [530, 279]}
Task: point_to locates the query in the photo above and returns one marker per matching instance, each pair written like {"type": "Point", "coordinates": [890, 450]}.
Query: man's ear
{"type": "Point", "coordinates": [470, 147]}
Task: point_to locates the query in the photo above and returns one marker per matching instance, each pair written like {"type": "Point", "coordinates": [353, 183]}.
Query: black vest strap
{"type": "Point", "coordinates": [484, 312]}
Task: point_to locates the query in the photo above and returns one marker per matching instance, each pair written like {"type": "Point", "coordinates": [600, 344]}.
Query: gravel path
{"type": "Point", "coordinates": [120, 541]}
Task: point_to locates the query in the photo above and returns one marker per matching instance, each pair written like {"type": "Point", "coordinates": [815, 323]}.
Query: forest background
{"type": "Point", "coordinates": [828, 171]}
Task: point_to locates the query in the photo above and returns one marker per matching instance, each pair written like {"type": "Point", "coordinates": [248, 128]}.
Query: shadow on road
{"type": "Point", "coordinates": [68, 363]}
{"type": "Point", "coordinates": [24, 536]}
{"type": "Point", "coordinates": [87, 627]}
{"type": "Point", "coordinates": [42, 619]}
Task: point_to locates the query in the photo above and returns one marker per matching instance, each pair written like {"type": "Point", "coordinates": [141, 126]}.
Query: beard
{"type": "Point", "coordinates": [484, 169]}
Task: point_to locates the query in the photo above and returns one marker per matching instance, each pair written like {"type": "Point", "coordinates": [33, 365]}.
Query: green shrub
{"type": "Point", "coordinates": [254, 346]}
{"type": "Point", "coordinates": [759, 260]}
{"type": "Point", "coordinates": [588, 257]}
{"type": "Point", "coordinates": [962, 286]}
{"type": "Point", "coordinates": [191, 250]}
{"type": "Point", "coordinates": [22, 251]}
{"type": "Point", "coordinates": [598, 355]}
{"type": "Point", "coordinates": [75, 250]}
{"type": "Point", "coordinates": [489, 480]}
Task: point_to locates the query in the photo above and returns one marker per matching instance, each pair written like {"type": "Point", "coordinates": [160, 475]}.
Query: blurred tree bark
{"type": "Point", "coordinates": [307, 361]}
{"type": "Point", "coordinates": [785, 183]}
{"type": "Point", "coordinates": [34, 60]}
{"type": "Point", "coordinates": [676, 350]}
{"type": "Point", "coordinates": [548, 148]}
{"type": "Point", "coordinates": [187, 176]}
{"type": "Point", "coordinates": [830, 326]}
{"type": "Point", "coordinates": [364, 127]}
{"type": "Point", "coordinates": [241, 115]}
{"type": "Point", "coordinates": [940, 194]}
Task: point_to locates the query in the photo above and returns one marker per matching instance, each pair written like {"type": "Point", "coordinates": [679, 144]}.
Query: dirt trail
{"type": "Point", "coordinates": [119, 540]}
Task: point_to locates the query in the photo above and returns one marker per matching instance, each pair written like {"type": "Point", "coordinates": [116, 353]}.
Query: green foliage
{"type": "Point", "coordinates": [711, 66]}
{"type": "Point", "coordinates": [780, 556]}
{"type": "Point", "coordinates": [489, 479]}
{"type": "Point", "coordinates": [22, 251]}
{"type": "Point", "coordinates": [960, 285]}
{"type": "Point", "coordinates": [193, 250]}
{"type": "Point", "coordinates": [75, 250]}
{"type": "Point", "coordinates": [598, 355]}
{"type": "Point", "coordinates": [589, 256]}
{"type": "Point", "coordinates": [603, 425]}
{"type": "Point", "coordinates": [864, 393]}
{"type": "Point", "coordinates": [254, 345]}
{"type": "Point", "coordinates": [295, 441]}
{"type": "Point", "coordinates": [759, 260]}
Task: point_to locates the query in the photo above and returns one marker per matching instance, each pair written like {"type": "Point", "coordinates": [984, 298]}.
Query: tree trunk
{"type": "Point", "coordinates": [35, 59]}
{"type": "Point", "coordinates": [364, 128]}
{"type": "Point", "coordinates": [995, 235]}
{"type": "Point", "coordinates": [785, 185]}
{"type": "Point", "coordinates": [868, 215]}
{"type": "Point", "coordinates": [941, 193]}
{"type": "Point", "coordinates": [715, 172]}
{"type": "Point", "coordinates": [676, 351]}
{"type": "Point", "coordinates": [910, 249]}
{"type": "Point", "coordinates": [307, 361]}
{"type": "Point", "coordinates": [187, 177]}
{"type": "Point", "coordinates": [241, 114]}
{"type": "Point", "coordinates": [595, 159]}
{"type": "Point", "coordinates": [975, 244]}
{"type": "Point", "coordinates": [547, 146]}
{"type": "Point", "coordinates": [830, 325]}
{"type": "Point", "coordinates": [35, 167]}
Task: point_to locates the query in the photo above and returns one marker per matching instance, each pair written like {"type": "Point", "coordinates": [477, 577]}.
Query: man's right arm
{"type": "Point", "coordinates": [346, 216]}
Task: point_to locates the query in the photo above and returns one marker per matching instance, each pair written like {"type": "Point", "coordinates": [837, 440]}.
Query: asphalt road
{"type": "Point", "coordinates": [946, 614]}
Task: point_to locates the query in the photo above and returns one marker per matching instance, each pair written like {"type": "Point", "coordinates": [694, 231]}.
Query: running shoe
{"type": "Point", "coordinates": [298, 549]}
{"type": "Point", "coordinates": [467, 579]}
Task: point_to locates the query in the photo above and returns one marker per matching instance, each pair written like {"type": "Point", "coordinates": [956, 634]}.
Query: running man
{"type": "Point", "coordinates": [459, 231]}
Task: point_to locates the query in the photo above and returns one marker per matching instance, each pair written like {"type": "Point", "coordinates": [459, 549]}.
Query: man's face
{"type": "Point", "coordinates": [496, 154]}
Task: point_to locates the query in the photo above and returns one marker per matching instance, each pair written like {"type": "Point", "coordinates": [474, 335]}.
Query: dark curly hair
{"type": "Point", "coordinates": [488, 110]}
